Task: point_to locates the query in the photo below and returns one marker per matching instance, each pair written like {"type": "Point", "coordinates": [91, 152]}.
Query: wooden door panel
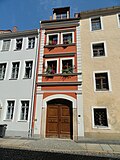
{"type": "Point", "coordinates": [65, 121]}
{"type": "Point", "coordinates": [52, 121]}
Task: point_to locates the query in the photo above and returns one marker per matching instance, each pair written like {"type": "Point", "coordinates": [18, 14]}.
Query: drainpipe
{"type": "Point", "coordinates": [33, 89]}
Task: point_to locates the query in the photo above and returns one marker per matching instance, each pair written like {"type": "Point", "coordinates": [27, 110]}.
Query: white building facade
{"type": "Point", "coordinates": [18, 62]}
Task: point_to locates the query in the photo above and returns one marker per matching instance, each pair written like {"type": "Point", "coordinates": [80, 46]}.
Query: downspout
{"type": "Point", "coordinates": [34, 108]}
{"type": "Point", "coordinates": [33, 88]}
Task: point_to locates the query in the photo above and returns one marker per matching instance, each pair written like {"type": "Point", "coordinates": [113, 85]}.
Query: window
{"type": "Point", "coordinates": [6, 45]}
{"type": "Point", "coordinates": [10, 110]}
{"type": "Point", "coordinates": [67, 66]}
{"type": "Point", "coordinates": [15, 70]}
{"type": "Point", "coordinates": [67, 38]}
{"type": "Point", "coordinates": [51, 67]}
{"type": "Point", "coordinates": [61, 16]}
{"type": "Point", "coordinates": [98, 49]}
{"type": "Point", "coordinates": [2, 70]}
{"type": "Point", "coordinates": [96, 24]}
{"type": "Point", "coordinates": [52, 39]}
{"type": "Point", "coordinates": [28, 69]}
{"type": "Point", "coordinates": [31, 42]}
{"type": "Point", "coordinates": [24, 110]}
{"type": "Point", "coordinates": [100, 117]}
{"type": "Point", "coordinates": [101, 81]}
{"type": "Point", "coordinates": [19, 44]}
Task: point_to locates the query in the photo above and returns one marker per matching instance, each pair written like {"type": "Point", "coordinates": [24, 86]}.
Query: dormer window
{"type": "Point", "coordinates": [61, 13]}
{"type": "Point", "coordinates": [61, 16]}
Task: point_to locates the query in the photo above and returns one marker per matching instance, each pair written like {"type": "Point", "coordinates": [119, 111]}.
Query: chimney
{"type": "Point", "coordinates": [15, 29]}
{"type": "Point", "coordinates": [76, 15]}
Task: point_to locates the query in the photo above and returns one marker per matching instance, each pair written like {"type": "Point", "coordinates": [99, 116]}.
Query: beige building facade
{"type": "Point", "coordinates": [100, 48]}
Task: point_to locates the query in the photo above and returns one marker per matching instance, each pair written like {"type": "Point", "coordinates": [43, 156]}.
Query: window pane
{"type": "Point", "coordinates": [2, 70]}
{"type": "Point", "coordinates": [67, 38]}
{"type": "Point", "coordinates": [6, 45]}
{"type": "Point", "coordinates": [101, 80]}
{"type": "Point", "coordinates": [15, 70]}
{"type": "Point", "coordinates": [51, 67]}
{"type": "Point", "coordinates": [24, 110]}
{"type": "Point", "coordinates": [31, 42]}
{"type": "Point", "coordinates": [19, 44]}
{"type": "Point", "coordinates": [98, 50]}
{"type": "Point", "coordinates": [28, 69]}
{"type": "Point", "coordinates": [67, 66]}
{"type": "Point", "coordinates": [100, 117]}
{"type": "Point", "coordinates": [10, 110]}
{"type": "Point", "coordinates": [53, 39]}
{"type": "Point", "coordinates": [96, 24]}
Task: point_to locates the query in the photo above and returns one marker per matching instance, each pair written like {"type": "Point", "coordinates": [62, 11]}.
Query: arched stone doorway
{"type": "Point", "coordinates": [59, 119]}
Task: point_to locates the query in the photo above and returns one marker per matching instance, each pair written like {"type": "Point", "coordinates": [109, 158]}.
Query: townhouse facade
{"type": "Point", "coordinates": [18, 56]}
{"type": "Point", "coordinates": [100, 48]}
{"type": "Point", "coordinates": [59, 110]}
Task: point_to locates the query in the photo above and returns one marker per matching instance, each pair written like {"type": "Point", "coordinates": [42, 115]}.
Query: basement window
{"type": "Point", "coordinates": [100, 117]}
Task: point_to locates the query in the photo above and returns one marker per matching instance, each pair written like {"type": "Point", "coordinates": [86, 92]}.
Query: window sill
{"type": "Point", "coordinates": [59, 45]}
{"type": "Point", "coordinates": [22, 121]}
{"type": "Point", "coordinates": [4, 50]}
{"type": "Point", "coordinates": [102, 90]}
{"type": "Point", "coordinates": [29, 48]}
{"type": "Point", "coordinates": [13, 78]}
{"type": "Point", "coordinates": [97, 30]}
{"type": "Point", "coordinates": [59, 74]}
{"type": "Point", "coordinates": [8, 120]}
{"type": "Point", "coordinates": [17, 49]}
{"type": "Point", "coordinates": [26, 78]}
{"type": "Point", "coordinates": [101, 127]}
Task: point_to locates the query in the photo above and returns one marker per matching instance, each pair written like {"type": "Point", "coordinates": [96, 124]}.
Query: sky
{"type": "Point", "coordinates": [27, 14]}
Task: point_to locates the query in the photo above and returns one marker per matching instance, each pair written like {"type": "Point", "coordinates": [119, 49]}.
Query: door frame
{"type": "Point", "coordinates": [44, 113]}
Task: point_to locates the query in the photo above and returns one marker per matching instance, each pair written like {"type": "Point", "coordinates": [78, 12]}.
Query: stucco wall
{"type": "Point", "coordinates": [109, 99]}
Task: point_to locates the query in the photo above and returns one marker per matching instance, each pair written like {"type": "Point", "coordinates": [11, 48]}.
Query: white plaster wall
{"type": "Point", "coordinates": [20, 89]}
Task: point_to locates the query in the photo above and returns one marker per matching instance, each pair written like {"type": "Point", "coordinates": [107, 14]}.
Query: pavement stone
{"type": "Point", "coordinates": [116, 148]}
{"type": "Point", "coordinates": [61, 146]}
{"type": "Point", "coordinates": [106, 147]}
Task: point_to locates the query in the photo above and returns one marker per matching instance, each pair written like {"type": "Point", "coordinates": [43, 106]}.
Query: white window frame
{"type": "Point", "coordinates": [6, 104]}
{"type": "Point", "coordinates": [105, 49]}
{"type": "Point", "coordinates": [73, 40]}
{"type": "Point", "coordinates": [25, 67]}
{"type": "Point", "coordinates": [118, 20]}
{"type": "Point", "coordinates": [5, 46]}
{"type": "Point", "coordinates": [28, 42]}
{"type": "Point", "coordinates": [109, 81]}
{"type": "Point", "coordinates": [5, 70]}
{"type": "Point", "coordinates": [53, 59]}
{"type": "Point", "coordinates": [61, 59]}
{"type": "Point", "coordinates": [90, 22]}
{"type": "Point", "coordinates": [100, 127]}
{"type": "Point", "coordinates": [18, 71]}
{"type": "Point", "coordinates": [47, 42]}
{"type": "Point", "coordinates": [16, 43]}
{"type": "Point", "coordinates": [20, 104]}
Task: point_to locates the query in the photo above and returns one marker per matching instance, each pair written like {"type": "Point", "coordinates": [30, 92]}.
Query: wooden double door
{"type": "Point", "coordinates": [59, 121]}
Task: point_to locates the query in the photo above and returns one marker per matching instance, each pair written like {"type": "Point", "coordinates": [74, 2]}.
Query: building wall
{"type": "Point", "coordinates": [19, 89]}
{"type": "Point", "coordinates": [109, 99]}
